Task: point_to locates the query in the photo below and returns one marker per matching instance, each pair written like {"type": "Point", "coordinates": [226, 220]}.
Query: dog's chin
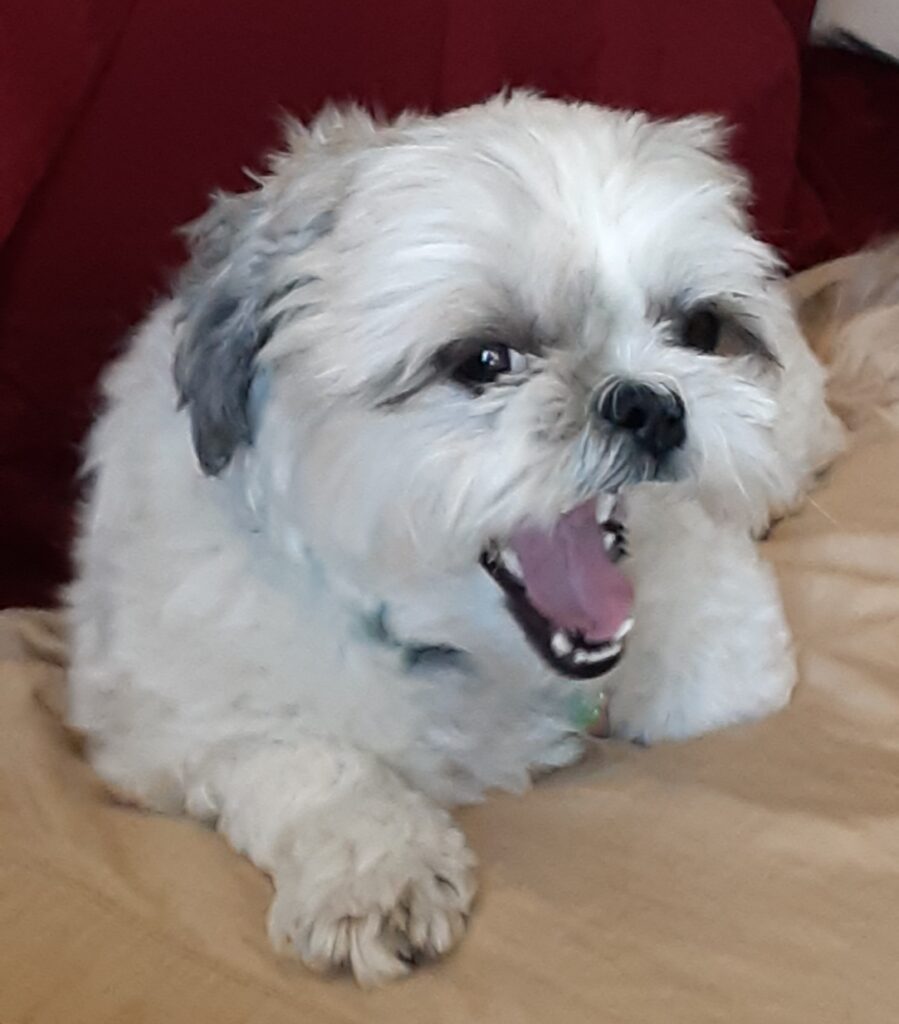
{"type": "Point", "coordinates": [565, 589]}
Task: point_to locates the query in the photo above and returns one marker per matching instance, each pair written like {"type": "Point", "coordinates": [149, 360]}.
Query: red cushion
{"type": "Point", "coordinates": [849, 147]}
{"type": "Point", "coordinates": [49, 63]}
{"type": "Point", "coordinates": [191, 94]}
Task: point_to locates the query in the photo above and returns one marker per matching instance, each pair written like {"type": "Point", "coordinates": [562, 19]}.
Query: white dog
{"type": "Point", "coordinates": [351, 552]}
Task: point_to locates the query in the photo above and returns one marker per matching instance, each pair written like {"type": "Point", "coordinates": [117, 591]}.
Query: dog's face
{"type": "Point", "coordinates": [429, 348]}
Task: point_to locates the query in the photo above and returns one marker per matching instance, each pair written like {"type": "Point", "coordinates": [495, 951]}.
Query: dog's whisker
{"type": "Point", "coordinates": [727, 456]}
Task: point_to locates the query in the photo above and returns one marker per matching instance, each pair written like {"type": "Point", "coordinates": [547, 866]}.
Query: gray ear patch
{"type": "Point", "coordinates": [227, 295]}
{"type": "Point", "coordinates": [213, 371]}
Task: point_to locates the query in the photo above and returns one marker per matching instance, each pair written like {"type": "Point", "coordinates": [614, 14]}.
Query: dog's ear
{"type": "Point", "coordinates": [227, 293]}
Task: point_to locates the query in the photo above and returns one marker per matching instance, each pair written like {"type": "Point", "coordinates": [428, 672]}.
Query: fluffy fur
{"type": "Point", "coordinates": [281, 626]}
{"type": "Point", "coordinates": [849, 309]}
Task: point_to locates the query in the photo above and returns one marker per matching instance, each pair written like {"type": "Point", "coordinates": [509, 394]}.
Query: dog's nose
{"type": "Point", "coordinates": [655, 416]}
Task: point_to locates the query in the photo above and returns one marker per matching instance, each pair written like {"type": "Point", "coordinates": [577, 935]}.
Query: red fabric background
{"type": "Point", "coordinates": [119, 116]}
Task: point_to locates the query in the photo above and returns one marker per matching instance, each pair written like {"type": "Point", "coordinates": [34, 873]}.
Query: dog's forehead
{"type": "Point", "coordinates": [551, 223]}
{"type": "Point", "coordinates": [538, 222]}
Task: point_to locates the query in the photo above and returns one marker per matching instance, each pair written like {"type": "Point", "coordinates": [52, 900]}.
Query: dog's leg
{"type": "Point", "coordinates": [368, 873]}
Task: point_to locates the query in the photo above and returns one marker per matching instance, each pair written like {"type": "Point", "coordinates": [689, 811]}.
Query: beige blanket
{"type": "Point", "coordinates": [749, 876]}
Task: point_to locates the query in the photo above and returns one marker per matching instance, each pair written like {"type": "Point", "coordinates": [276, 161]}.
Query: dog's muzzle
{"type": "Point", "coordinates": [565, 589]}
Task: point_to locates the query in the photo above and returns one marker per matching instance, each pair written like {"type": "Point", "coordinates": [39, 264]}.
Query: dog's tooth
{"type": "Point", "coordinates": [604, 653]}
{"type": "Point", "coordinates": [609, 538]}
{"type": "Point", "coordinates": [561, 644]}
{"type": "Point", "coordinates": [604, 505]}
{"type": "Point", "coordinates": [511, 563]}
{"type": "Point", "coordinates": [624, 629]}
{"type": "Point", "coordinates": [588, 657]}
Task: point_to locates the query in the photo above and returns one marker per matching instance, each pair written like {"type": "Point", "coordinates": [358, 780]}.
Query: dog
{"type": "Point", "coordinates": [446, 450]}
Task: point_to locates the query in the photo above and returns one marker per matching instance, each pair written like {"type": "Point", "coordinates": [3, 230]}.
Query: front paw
{"type": "Point", "coordinates": [377, 894]}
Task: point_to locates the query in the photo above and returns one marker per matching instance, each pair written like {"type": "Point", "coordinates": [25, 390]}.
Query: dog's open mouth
{"type": "Point", "coordinates": [566, 590]}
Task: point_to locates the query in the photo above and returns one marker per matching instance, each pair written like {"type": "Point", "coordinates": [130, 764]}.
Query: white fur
{"type": "Point", "coordinates": [222, 665]}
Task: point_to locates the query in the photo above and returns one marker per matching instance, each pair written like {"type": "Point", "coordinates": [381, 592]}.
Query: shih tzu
{"type": "Point", "coordinates": [447, 448]}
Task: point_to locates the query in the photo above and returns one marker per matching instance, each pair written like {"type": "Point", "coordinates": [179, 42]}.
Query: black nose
{"type": "Point", "coordinates": [655, 416]}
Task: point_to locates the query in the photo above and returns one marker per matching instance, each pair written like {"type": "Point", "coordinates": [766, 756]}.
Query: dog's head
{"type": "Point", "coordinates": [433, 344]}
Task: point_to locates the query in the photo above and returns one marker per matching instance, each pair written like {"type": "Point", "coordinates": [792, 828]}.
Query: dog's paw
{"type": "Point", "coordinates": [378, 895]}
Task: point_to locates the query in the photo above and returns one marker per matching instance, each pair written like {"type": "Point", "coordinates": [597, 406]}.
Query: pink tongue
{"type": "Point", "coordinates": [570, 579]}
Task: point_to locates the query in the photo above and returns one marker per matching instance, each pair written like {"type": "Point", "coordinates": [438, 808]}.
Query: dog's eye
{"type": "Point", "coordinates": [488, 362]}
{"type": "Point", "coordinates": [701, 330]}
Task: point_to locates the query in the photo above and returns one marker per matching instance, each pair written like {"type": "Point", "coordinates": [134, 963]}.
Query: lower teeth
{"type": "Point", "coordinates": [564, 647]}
{"type": "Point", "coordinates": [582, 657]}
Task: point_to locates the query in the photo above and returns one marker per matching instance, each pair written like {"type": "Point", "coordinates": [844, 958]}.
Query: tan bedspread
{"type": "Point", "coordinates": [748, 876]}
